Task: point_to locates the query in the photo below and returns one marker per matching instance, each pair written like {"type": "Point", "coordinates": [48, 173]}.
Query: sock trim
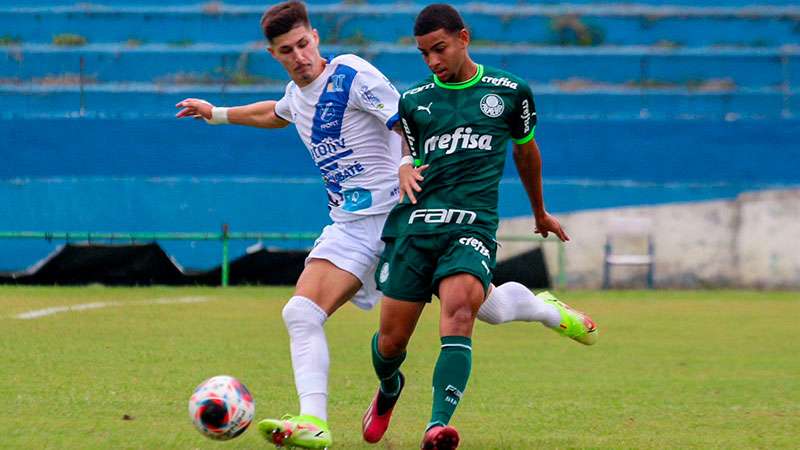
{"type": "Point", "coordinates": [457, 345]}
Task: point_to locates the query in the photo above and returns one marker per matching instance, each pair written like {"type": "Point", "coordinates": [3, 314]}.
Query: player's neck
{"type": "Point", "coordinates": [468, 70]}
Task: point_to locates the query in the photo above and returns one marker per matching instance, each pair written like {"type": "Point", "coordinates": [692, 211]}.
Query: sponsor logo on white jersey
{"type": "Point", "coordinates": [461, 139]}
{"type": "Point", "coordinates": [503, 81]}
{"type": "Point", "coordinates": [328, 146]}
{"type": "Point", "coordinates": [371, 98]}
{"type": "Point", "coordinates": [458, 216]}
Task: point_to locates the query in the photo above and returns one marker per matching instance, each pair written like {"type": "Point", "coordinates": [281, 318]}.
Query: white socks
{"type": "Point", "coordinates": [513, 301]}
{"type": "Point", "coordinates": [310, 358]}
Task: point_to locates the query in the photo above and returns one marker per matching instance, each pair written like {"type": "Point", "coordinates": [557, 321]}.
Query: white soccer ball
{"type": "Point", "coordinates": [221, 408]}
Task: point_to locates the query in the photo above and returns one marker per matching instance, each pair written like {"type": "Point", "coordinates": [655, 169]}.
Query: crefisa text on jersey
{"type": "Point", "coordinates": [461, 139]}
{"type": "Point", "coordinates": [503, 81]}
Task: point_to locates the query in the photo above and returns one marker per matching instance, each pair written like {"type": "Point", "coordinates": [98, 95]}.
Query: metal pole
{"type": "Point", "coordinates": [562, 267]}
{"type": "Point", "coordinates": [225, 241]}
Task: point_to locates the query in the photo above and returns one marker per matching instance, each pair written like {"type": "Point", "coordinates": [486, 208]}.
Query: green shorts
{"type": "Point", "coordinates": [411, 267]}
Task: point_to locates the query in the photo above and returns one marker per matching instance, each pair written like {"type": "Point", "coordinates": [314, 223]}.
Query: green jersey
{"type": "Point", "coordinates": [461, 130]}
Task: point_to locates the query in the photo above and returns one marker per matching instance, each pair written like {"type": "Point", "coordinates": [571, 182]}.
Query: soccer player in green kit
{"type": "Point", "coordinates": [457, 124]}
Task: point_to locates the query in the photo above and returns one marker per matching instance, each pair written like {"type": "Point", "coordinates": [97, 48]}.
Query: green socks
{"type": "Point", "coordinates": [450, 377]}
{"type": "Point", "coordinates": [387, 369]}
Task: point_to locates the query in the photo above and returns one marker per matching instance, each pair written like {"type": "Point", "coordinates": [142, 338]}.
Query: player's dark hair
{"type": "Point", "coordinates": [282, 17]}
{"type": "Point", "coordinates": [438, 16]}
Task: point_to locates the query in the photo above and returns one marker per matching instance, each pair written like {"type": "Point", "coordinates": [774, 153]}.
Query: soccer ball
{"type": "Point", "coordinates": [221, 408]}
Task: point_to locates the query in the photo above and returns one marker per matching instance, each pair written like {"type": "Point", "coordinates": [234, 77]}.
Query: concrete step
{"type": "Point", "coordinates": [242, 64]}
{"type": "Point", "coordinates": [572, 24]}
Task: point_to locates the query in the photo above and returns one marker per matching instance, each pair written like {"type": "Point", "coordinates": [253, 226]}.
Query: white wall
{"type": "Point", "coordinates": [752, 241]}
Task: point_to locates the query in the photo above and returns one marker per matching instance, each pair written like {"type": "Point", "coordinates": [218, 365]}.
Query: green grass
{"type": "Point", "coordinates": [714, 369]}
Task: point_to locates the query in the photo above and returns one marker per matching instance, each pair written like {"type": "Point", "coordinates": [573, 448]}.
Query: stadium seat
{"type": "Point", "coordinates": [624, 237]}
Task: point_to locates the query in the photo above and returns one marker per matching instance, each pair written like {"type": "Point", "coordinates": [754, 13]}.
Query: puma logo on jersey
{"type": "Point", "coordinates": [443, 216]}
{"type": "Point", "coordinates": [461, 139]}
{"type": "Point", "coordinates": [425, 108]}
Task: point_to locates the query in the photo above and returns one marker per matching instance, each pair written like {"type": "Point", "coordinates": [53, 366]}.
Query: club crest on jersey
{"type": "Point", "coordinates": [492, 105]}
{"type": "Point", "coordinates": [384, 275]}
{"type": "Point", "coordinates": [336, 83]}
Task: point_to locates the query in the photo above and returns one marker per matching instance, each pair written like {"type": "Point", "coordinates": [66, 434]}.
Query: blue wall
{"type": "Point", "coordinates": [643, 150]}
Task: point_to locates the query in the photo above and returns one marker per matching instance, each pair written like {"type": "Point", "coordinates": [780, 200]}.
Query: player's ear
{"type": "Point", "coordinates": [270, 49]}
{"type": "Point", "coordinates": [464, 37]}
{"type": "Point", "coordinates": [315, 33]}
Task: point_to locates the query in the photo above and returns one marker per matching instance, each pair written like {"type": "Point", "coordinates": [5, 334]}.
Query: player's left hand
{"type": "Point", "coordinates": [410, 177]}
{"type": "Point", "coordinates": [194, 107]}
{"type": "Point", "coordinates": [549, 224]}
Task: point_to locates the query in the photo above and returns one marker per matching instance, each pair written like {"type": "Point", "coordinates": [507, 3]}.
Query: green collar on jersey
{"type": "Point", "coordinates": [461, 84]}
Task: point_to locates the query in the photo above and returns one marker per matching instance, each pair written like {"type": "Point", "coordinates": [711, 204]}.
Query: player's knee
{"type": "Point", "coordinates": [300, 311]}
{"type": "Point", "coordinates": [392, 345]}
{"type": "Point", "coordinates": [461, 312]}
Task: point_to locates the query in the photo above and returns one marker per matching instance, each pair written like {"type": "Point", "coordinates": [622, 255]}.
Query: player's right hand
{"type": "Point", "coordinates": [549, 224]}
{"type": "Point", "coordinates": [194, 107]}
{"type": "Point", "coordinates": [410, 177]}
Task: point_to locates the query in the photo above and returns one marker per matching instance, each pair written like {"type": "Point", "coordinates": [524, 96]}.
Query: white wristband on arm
{"type": "Point", "coordinates": [408, 159]}
{"type": "Point", "coordinates": [219, 116]}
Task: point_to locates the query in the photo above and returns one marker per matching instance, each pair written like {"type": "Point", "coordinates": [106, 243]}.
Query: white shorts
{"type": "Point", "coordinates": [355, 247]}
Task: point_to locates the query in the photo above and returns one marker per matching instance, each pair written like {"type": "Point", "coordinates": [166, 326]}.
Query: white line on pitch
{"type": "Point", "coordinates": [37, 313]}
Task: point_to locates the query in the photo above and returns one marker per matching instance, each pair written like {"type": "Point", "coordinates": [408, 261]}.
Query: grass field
{"type": "Point", "coordinates": [714, 369]}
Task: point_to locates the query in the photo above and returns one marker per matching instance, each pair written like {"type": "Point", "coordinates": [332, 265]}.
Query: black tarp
{"type": "Point", "coordinates": [528, 268]}
{"type": "Point", "coordinates": [148, 264]}
{"type": "Point", "coordinates": [75, 264]}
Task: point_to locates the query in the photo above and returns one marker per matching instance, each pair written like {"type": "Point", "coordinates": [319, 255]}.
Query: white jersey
{"type": "Point", "coordinates": [345, 117]}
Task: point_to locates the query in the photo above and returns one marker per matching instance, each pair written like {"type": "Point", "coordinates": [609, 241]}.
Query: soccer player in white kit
{"type": "Point", "coordinates": [344, 111]}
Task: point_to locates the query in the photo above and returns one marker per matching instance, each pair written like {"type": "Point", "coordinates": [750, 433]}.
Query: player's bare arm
{"type": "Point", "coordinates": [410, 176]}
{"type": "Point", "coordinates": [528, 160]}
{"type": "Point", "coordinates": [259, 114]}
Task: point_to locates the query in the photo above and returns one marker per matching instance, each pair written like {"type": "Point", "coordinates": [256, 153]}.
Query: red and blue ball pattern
{"type": "Point", "coordinates": [221, 408]}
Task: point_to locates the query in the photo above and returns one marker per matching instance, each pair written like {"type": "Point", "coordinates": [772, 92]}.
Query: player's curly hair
{"type": "Point", "coordinates": [438, 16]}
{"type": "Point", "coordinates": [282, 17]}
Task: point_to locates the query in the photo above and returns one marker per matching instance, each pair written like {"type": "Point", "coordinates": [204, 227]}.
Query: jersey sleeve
{"type": "Point", "coordinates": [409, 129]}
{"type": "Point", "coordinates": [523, 120]}
{"type": "Point", "coordinates": [283, 108]}
{"type": "Point", "coordinates": [376, 95]}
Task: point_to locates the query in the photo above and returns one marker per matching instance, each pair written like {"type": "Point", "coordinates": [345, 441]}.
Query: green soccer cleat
{"type": "Point", "coordinates": [296, 432]}
{"type": "Point", "coordinates": [574, 324]}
